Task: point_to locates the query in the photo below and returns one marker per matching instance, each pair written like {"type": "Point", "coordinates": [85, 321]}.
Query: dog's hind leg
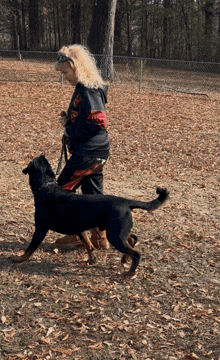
{"type": "Point", "coordinates": [118, 231]}
{"type": "Point", "coordinates": [132, 240]}
{"type": "Point", "coordinates": [128, 251]}
{"type": "Point", "coordinates": [88, 245]}
{"type": "Point", "coordinates": [135, 257]}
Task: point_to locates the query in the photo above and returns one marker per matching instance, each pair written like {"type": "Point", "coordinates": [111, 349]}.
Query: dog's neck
{"type": "Point", "coordinates": [44, 182]}
{"type": "Point", "coordinates": [50, 182]}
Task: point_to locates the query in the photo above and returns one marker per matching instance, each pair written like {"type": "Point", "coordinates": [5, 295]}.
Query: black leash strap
{"type": "Point", "coordinates": [97, 231]}
{"type": "Point", "coordinates": [63, 152]}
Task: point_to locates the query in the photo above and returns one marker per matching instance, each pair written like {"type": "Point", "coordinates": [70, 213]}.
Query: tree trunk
{"type": "Point", "coordinates": [23, 15]}
{"type": "Point", "coordinates": [166, 5]}
{"type": "Point", "coordinates": [186, 15]}
{"type": "Point", "coordinates": [13, 32]}
{"type": "Point", "coordinates": [96, 38]}
{"type": "Point", "coordinates": [17, 20]}
{"type": "Point", "coordinates": [208, 7]}
{"type": "Point", "coordinates": [58, 26]}
{"type": "Point", "coordinates": [75, 21]}
{"type": "Point", "coordinates": [128, 29]}
{"type": "Point", "coordinates": [56, 45]}
{"type": "Point", "coordinates": [208, 46]}
{"type": "Point", "coordinates": [108, 68]}
{"type": "Point", "coordinates": [34, 27]}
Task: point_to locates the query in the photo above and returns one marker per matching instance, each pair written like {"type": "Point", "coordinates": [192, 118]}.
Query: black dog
{"type": "Point", "coordinates": [67, 213]}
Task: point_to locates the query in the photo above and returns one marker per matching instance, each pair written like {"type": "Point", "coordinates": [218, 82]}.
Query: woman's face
{"type": "Point", "coordinates": [69, 74]}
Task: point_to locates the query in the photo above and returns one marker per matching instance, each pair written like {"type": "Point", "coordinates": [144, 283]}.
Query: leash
{"type": "Point", "coordinates": [63, 152]}
{"type": "Point", "coordinates": [96, 229]}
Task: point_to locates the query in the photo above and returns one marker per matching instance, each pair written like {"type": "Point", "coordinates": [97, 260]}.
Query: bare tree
{"type": "Point", "coordinates": [96, 38]}
{"type": "Point", "coordinates": [166, 5]}
{"type": "Point", "coordinates": [75, 21]}
{"type": "Point", "coordinates": [108, 72]}
{"type": "Point", "coordinates": [101, 37]}
{"type": "Point", "coordinates": [34, 25]}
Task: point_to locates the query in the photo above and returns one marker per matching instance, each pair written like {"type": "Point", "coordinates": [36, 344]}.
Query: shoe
{"type": "Point", "coordinates": [69, 240]}
{"type": "Point", "coordinates": [99, 242]}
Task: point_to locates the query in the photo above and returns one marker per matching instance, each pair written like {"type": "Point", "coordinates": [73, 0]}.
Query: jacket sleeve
{"type": "Point", "coordinates": [88, 118]}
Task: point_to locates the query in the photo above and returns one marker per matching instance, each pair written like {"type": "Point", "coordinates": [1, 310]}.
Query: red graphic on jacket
{"type": "Point", "coordinates": [77, 100]}
{"type": "Point", "coordinates": [73, 116]}
{"type": "Point", "coordinates": [98, 117]}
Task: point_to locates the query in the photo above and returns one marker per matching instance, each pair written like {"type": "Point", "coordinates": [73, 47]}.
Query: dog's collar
{"type": "Point", "coordinates": [51, 182]}
{"type": "Point", "coordinates": [47, 184]}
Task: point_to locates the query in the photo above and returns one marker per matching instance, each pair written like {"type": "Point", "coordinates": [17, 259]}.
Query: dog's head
{"type": "Point", "coordinates": [39, 163]}
{"type": "Point", "coordinates": [39, 171]}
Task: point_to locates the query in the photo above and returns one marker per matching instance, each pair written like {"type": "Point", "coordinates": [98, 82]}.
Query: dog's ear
{"type": "Point", "coordinates": [42, 157]}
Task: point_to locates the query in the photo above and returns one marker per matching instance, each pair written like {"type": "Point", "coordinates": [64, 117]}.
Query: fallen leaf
{"type": "Point", "coordinates": [43, 340]}
{"type": "Point", "coordinates": [97, 346]}
{"type": "Point", "coordinates": [66, 337]}
{"type": "Point", "coordinates": [167, 317]}
{"type": "Point", "coordinates": [38, 304]}
{"type": "Point", "coordinates": [102, 302]}
{"type": "Point", "coordinates": [3, 319]}
{"type": "Point", "coordinates": [49, 331]}
{"type": "Point", "coordinates": [191, 357]}
{"type": "Point", "coordinates": [126, 322]}
{"type": "Point", "coordinates": [182, 334]}
{"type": "Point", "coordinates": [108, 343]}
{"type": "Point", "coordinates": [66, 352]}
{"type": "Point", "coordinates": [9, 336]}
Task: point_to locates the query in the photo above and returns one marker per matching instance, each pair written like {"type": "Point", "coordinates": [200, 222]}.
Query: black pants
{"type": "Point", "coordinates": [84, 171]}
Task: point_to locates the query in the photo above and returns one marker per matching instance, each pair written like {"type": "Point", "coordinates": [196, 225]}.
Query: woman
{"type": "Point", "coordinates": [84, 129]}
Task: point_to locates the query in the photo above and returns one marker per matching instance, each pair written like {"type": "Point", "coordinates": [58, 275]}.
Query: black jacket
{"type": "Point", "coordinates": [86, 125]}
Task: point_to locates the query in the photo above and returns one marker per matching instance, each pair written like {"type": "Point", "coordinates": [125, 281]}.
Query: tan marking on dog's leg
{"type": "Point", "coordinates": [89, 246]}
{"type": "Point", "coordinates": [124, 259]}
{"type": "Point", "coordinates": [20, 259]}
{"type": "Point", "coordinates": [132, 239]}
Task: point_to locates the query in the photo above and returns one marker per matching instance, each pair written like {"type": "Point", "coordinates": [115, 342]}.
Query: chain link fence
{"type": "Point", "coordinates": [156, 74]}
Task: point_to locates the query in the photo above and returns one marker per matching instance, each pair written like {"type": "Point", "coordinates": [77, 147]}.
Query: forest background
{"type": "Point", "coordinates": [168, 29]}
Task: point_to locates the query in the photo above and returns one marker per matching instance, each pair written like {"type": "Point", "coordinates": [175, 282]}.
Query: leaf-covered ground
{"type": "Point", "coordinates": [56, 306]}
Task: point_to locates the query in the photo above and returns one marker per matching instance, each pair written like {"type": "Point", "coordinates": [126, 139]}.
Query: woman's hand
{"type": "Point", "coordinates": [63, 118]}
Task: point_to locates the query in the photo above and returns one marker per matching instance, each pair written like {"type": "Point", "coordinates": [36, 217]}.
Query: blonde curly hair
{"type": "Point", "coordinates": [83, 63]}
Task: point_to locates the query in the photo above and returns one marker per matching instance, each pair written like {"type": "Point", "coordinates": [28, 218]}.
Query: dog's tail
{"type": "Point", "coordinates": [151, 205]}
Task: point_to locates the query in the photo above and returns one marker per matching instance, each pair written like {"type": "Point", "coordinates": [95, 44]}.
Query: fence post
{"type": "Point", "coordinates": [19, 54]}
{"type": "Point", "coordinates": [141, 73]}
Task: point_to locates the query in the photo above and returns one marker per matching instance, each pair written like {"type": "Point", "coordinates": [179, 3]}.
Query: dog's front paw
{"type": "Point", "coordinates": [91, 260]}
{"type": "Point", "coordinates": [20, 259]}
{"type": "Point", "coordinates": [16, 259]}
{"type": "Point", "coordinates": [128, 275]}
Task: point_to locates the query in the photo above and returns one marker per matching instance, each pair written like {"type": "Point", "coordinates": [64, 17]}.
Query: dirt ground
{"type": "Point", "coordinates": [55, 306]}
